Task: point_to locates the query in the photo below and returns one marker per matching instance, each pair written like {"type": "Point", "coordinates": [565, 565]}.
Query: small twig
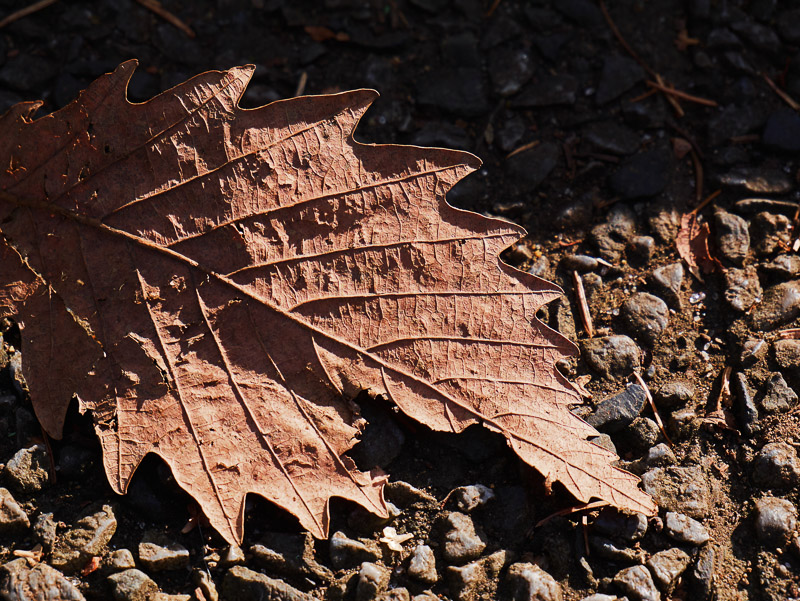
{"type": "Point", "coordinates": [622, 41]}
{"type": "Point", "coordinates": [155, 6]}
{"type": "Point", "coordinates": [492, 8]}
{"type": "Point", "coordinates": [301, 84]}
{"type": "Point", "coordinates": [650, 400]}
{"type": "Point", "coordinates": [647, 94]}
{"type": "Point", "coordinates": [792, 333]}
{"type": "Point", "coordinates": [784, 96]}
{"type": "Point", "coordinates": [708, 199]}
{"type": "Point", "coordinates": [659, 85]}
{"type": "Point", "coordinates": [670, 98]}
{"type": "Point", "coordinates": [586, 316]}
{"type": "Point", "coordinates": [523, 148]}
{"type": "Point", "coordinates": [24, 12]}
{"type": "Point", "coordinates": [571, 510]}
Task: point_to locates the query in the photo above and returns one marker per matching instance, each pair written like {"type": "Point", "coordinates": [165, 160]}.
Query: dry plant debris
{"type": "Point", "coordinates": [217, 284]}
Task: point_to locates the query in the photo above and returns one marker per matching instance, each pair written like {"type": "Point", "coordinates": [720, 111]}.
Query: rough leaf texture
{"type": "Point", "coordinates": [228, 278]}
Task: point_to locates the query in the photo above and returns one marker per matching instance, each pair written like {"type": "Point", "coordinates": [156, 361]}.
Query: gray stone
{"type": "Point", "coordinates": [21, 582]}
{"type": "Point", "coordinates": [477, 579]}
{"type": "Point", "coordinates": [753, 351]}
{"type": "Point", "coordinates": [611, 136]}
{"type": "Point", "coordinates": [674, 394]}
{"type": "Point", "coordinates": [782, 131]}
{"type": "Point", "coordinates": [608, 549]}
{"type": "Point", "coordinates": [346, 552]}
{"type": "Point", "coordinates": [404, 494]}
{"type": "Point", "coordinates": [461, 542]}
{"type": "Point", "coordinates": [158, 553]}
{"type": "Point", "coordinates": [28, 470]}
{"type": "Point", "coordinates": [132, 585]}
{"type": "Point", "coordinates": [664, 220]}
{"type": "Point", "coordinates": [203, 581]}
{"type": "Point", "coordinates": [422, 565]}
{"type": "Point", "coordinates": [704, 573]}
{"type": "Point", "coordinates": [733, 236]}
{"type": "Point", "coordinates": [531, 167]}
{"type": "Point", "coordinates": [642, 175]}
{"type": "Point", "coordinates": [529, 582]}
{"type": "Point", "coordinates": [684, 529]}
{"type": "Point", "coordinates": [660, 455]}
{"type": "Point", "coordinates": [13, 519]}
{"type": "Point", "coordinates": [776, 521]}
{"type": "Point", "coordinates": [242, 584]}
{"type": "Point", "coordinates": [642, 433]}
{"type": "Point", "coordinates": [372, 580]}
{"type": "Point", "coordinates": [611, 238]}
{"type": "Point", "coordinates": [86, 539]}
{"type": "Point", "coordinates": [666, 281]}
{"type": "Point", "coordinates": [614, 413]}
{"type": "Point", "coordinates": [44, 530]}
{"type": "Point", "coordinates": [395, 594]}
{"type": "Point", "coordinates": [121, 559]}
{"type": "Point", "coordinates": [580, 263]}
{"type": "Point", "coordinates": [469, 498]}
{"type": "Point", "coordinates": [547, 90]}
{"type": "Point", "coordinates": [776, 395]}
{"type": "Point", "coordinates": [744, 404]}
{"type": "Point", "coordinates": [742, 288]}
{"type": "Point", "coordinates": [785, 266]}
{"type": "Point", "coordinates": [233, 556]}
{"type": "Point", "coordinates": [780, 305]}
{"type": "Point", "coordinates": [645, 315]}
{"type": "Point", "coordinates": [612, 356]}
{"type": "Point", "coordinates": [293, 554]}
{"type": "Point", "coordinates": [787, 355]}
{"type": "Point", "coordinates": [680, 489]}
{"type": "Point", "coordinates": [619, 75]}
{"type": "Point", "coordinates": [667, 566]}
{"type": "Point", "coordinates": [770, 232]}
{"type": "Point", "coordinates": [756, 179]}
{"type": "Point", "coordinates": [637, 582]}
{"type": "Point", "coordinates": [776, 466]}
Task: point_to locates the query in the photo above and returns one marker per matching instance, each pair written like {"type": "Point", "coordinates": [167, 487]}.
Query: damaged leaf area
{"type": "Point", "coordinates": [215, 283]}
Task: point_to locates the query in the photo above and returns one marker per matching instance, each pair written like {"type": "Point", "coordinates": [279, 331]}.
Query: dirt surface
{"type": "Point", "coordinates": [580, 149]}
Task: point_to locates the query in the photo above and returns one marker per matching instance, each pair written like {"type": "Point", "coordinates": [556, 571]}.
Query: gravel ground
{"type": "Point", "coordinates": [600, 168]}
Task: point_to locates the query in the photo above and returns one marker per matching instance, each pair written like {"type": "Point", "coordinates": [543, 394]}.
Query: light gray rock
{"type": "Point", "coordinates": [660, 455]}
{"type": "Point", "coordinates": [22, 582]}
{"type": "Point", "coordinates": [607, 549]}
{"type": "Point", "coordinates": [529, 582]}
{"type": "Point", "coordinates": [733, 236]}
{"type": "Point", "coordinates": [121, 559]}
{"type": "Point", "coordinates": [742, 288]}
{"type": "Point", "coordinates": [674, 394]}
{"type": "Point", "coordinates": [243, 584]}
{"type": "Point", "coordinates": [159, 553]}
{"type": "Point", "coordinates": [680, 489]}
{"type": "Point", "coordinates": [667, 566]}
{"type": "Point", "coordinates": [86, 539]}
{"type": "Point", "coordinates": [203, 581]}
{"type": "Point", "coordinates": [13, 519]}
{"type": "Point", "coordinates": [777, 396]}
{"type": "Point", "coordinates": [28, 470]}
{"type": "Point", "coordinates": [132, 585]}
{"type": "Point", "coordinates": [372, 580]}
{"type": "Point", "coordinates": [422, 565]}
{"type": "Point", "coordinates": [637, 583]}
{"type": "Point", "coordinates": [469, 498]}
{"type": "Point", "coordinates": [461, 541]}
{"type": "Point", "coordinates": [684, 529]}
{"type": "Point", "coordinates": [44, 530]}
{"type": "Point", "coordinates": [666, 281]}
{"type": "Point", "coordinates": [776, 521]}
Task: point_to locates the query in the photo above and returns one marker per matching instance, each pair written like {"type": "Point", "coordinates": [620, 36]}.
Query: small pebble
{"type": "Point", "coordinates": [637, 583]}
{"type": "Point", "coordinates": [679, 489]}
{"type": "Point", "coordinates": [660, 455]}
{"type": "Point", "coordinates": [28, 470]}
{"type": "Point", "coordinates": [158, 552]}
{"type": "Point", "coordinates": [469, 498]}
{"type": "Point", "coordinates": [477, 579]}
{"type": "Point", "coordinates": [529, 582]}
{"type": "Point", "coordinates": [666, 281]}
{"type": "Point", "coordinates": [776, 466]}
{"type": "Point", "coordinates": [132, 585]}
{"type": "Point", "coordinates": [770, 232]}
{"type": "Point", "coordinates": [13, 519]}
{"type": "Point", "coordinates": [461, 542]}
{"type": "Point", "coordinates": [629, 527]}
{"type": "Point", "coordinates": [346, 552]}
{"type": "Point", "coordinates": [776, 396]}
{"type": "Point", "coordinates": [742, 288]}
{"type": "Point", "coordinates": [612, 357]}
{"type": "Point", "coordinates": [684, 529]}
{"type": "Point", "coordinates": [733, 236]}
{"type": "Point", "coordinates": [744, 404]}
{"type": "Point", "coordinates": [674, 394]}
{"type": "Point", "coordinates": [776, 521]}
{"type": "Point", "coordinates": [667, 566]}
{"type": "Point", "coordinates": [422, 565]}
{"type": "Point", "coordinates": [780, 305]}
{"type": "Point", "coordinates": [645, 315]}
{"type": "Point", "coordinates": [614, 413]}
{"type": "Point", "coordinates": [38, 582]}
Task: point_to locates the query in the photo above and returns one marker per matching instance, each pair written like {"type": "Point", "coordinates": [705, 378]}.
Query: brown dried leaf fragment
{"type": "Point", "coordinates": [215, 283]}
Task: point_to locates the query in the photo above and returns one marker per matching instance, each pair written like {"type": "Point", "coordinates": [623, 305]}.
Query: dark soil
{"type": "Point", "coordinates": [574, 143]}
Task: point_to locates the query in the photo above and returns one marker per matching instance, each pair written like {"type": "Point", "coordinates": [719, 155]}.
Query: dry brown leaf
{"type": "Point", "coordinates": [692, 245]}
{"type": "Point", "coordinates": [214, 283]}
